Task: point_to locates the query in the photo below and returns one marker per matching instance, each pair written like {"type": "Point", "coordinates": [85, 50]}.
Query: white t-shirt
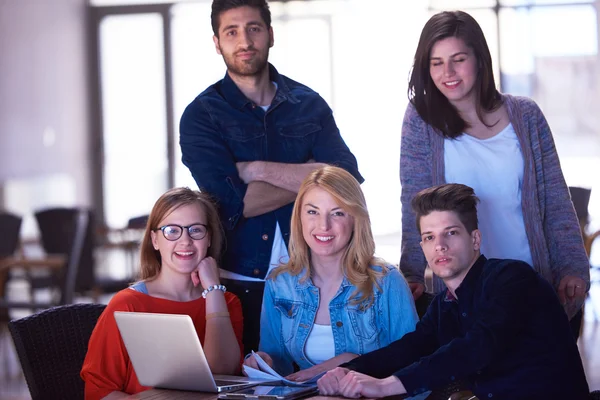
{"type": "Point", "coordinates": [494, 168]}
{"type": "Point", "coordinates": [319, 345]}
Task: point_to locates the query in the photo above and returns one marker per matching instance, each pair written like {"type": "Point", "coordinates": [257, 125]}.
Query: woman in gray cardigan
{"type": "Point", "coordinates": [458, 128]}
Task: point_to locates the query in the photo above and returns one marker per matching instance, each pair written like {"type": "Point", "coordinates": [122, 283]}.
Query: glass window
{"type": "Point", "coordinates": [196, 65]}
{"type": "Point", "coordinates": [461, 4]}
{"type": "Point", "coordinates": [540, 2]}
{"type": "Point", "coordinates": [133, 114]}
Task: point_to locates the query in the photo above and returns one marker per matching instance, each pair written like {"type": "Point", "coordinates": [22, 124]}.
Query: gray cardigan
{"type": "Point", "coordinates": [550, 222]}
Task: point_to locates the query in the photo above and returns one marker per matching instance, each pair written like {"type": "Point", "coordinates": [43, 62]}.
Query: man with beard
{"type": "Point", "coordinates": [249, 140]}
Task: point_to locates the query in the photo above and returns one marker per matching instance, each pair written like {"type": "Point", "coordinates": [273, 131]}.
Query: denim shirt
{"type": "Point", "coordinates": [222, 127]}
{"type": "Point", "coordinates": [290, 307]}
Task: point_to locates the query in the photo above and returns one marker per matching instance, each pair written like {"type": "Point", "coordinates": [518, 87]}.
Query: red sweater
{"type": "Point", "coordinates": [107, 367]}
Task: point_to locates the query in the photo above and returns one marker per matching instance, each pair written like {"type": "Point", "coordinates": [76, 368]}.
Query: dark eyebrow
{"type": "Point", "coordinates": [446, 229]}
{"type": "Point", "coordinates": [452, 56]}
{"type": "Point", "coordinates": [251, 23]}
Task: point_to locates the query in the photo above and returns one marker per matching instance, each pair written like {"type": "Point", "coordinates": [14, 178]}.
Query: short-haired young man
{"type": "Point", "coordinates": [499, 327]}
{"type": "Point", "coordinates": [249, 140]}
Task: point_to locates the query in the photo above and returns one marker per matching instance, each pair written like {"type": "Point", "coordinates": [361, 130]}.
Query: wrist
{"type": "Point", "coordinates": [258, 171]}
{"type": "Point", "coordinates": [213, 288]}
{"type": "Point", "coordinates": [393, 386]}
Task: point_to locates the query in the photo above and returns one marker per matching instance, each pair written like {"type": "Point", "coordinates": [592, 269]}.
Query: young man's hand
{"type": "Point", "coordinates": [355, 385]}
{"type": "Point", "coordinates": [329, 384]}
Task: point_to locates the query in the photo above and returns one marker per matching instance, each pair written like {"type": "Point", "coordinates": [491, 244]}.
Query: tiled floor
{"type": "Point", "coordinates": [13, 386]}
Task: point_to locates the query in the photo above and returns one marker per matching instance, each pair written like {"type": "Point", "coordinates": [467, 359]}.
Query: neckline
{"type": "Point", "coordinates": [497, 135]}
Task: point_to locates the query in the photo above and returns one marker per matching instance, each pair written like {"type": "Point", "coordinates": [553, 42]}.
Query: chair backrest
{"type": "Point", "coordinates": [10, 227]}
{"type": "Point", "coordinates": [138, 222]}
{"type": "Point", "coordinates": [52, 345]}
{"type": "Point", "coordinates": [581, 200]}
{"type": "Point", "coordinates": [70, 231]}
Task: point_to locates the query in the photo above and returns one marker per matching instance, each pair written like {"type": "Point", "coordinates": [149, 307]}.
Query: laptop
{"type": "Point", "coordinates": [166, 353]}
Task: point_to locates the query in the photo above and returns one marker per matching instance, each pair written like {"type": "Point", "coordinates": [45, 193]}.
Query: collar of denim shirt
{"type": "Point", "coordinates": [236, 98]}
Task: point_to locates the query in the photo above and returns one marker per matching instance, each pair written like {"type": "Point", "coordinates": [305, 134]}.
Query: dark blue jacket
{"type": "Point", "coordinates": [222, 127]}
{"type": "Point", "coordinates": [507, 336]}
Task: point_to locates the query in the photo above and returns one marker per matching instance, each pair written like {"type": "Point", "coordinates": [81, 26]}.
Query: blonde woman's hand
{"type": "Point", "coordinates": [251, 361]}
{"type": "Point", "coordinates": [207, 273]}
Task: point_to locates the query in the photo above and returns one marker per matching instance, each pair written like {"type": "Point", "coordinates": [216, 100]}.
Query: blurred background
{"type": "Point", "coordinates": [91, 92]}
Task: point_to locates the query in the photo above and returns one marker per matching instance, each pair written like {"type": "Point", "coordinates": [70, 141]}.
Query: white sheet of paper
{"type": "Point", "coordinates": [266, 372]}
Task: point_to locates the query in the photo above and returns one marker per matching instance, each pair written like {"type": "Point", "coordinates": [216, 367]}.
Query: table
{"type": "Point", "coordinates": [50, 261]}
{"type": "Point", "coordinates": [165, 394]}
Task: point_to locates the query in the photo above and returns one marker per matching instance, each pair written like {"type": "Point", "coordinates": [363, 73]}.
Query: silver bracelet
{"type": "Point", "coordinates": [213, 287]}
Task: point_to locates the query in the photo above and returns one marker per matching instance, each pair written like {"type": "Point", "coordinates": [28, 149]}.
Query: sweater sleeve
{"type": "Point", "coordinates": [415, 174]}
{"type": "Point", "coordinates": [106, 367]}
{"type": "Point", "coordinates": [561, 227]}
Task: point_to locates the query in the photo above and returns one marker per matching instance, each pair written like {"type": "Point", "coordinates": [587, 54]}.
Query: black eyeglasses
{"type": "Point", "coordinates": [173, 232]}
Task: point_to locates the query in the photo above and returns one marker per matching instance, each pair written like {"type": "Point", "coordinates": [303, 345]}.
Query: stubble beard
{"type": "Point", "coordinates": [247, 68]}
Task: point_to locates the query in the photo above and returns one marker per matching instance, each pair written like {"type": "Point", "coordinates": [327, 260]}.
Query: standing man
{"type": "Point", "coordinates": [498, 326]}
{"type": "Point", "coordinates": [249, 140]}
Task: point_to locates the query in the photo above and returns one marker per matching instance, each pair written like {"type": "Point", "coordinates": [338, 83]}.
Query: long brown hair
{"type": "Point", "coordinates": [150, 258]}
{"type": "Point", "coordinates": [433, 107]}
{"type": "Point", "coordinates": [358, 257]}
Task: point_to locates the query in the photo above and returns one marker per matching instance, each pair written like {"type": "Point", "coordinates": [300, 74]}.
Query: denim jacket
{"type": "Point", "coordinates": [222, 127]}
{"type": "Point", "coordinates": [290, 307]}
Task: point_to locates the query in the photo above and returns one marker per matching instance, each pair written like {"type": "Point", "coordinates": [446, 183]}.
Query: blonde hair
{"type": "Point", "coordinates": [358, 258]}
{"type": "Point", "coordinates": [150, 259]}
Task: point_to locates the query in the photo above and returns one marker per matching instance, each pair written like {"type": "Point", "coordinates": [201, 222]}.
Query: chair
{"type": "Point", "coordinates": [52, 345]}
{"type": "Point", "coordinates": [581, 200]}
{"type": "Point", "coordinates": [72, 231]}
{"type": "Point", "coordinates": [595, 395]}
{"type": "Point", "coordinates": [10, 227]}
{"type": "Point", "coordinates": [423, 302]}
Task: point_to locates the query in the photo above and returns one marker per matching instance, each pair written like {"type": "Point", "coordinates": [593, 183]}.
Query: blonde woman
{"type": "Point", "coordinates": [179, 275]}
{"type": "Point", "coordinates": [333, 300]}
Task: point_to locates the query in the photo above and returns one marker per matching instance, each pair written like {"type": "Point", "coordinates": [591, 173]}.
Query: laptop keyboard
{"type": "Point", "coordinates": [221, 382]}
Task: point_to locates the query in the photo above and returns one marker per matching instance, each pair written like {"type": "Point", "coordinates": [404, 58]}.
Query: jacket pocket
{"type": "Point", "coordinates": [363, 321]}
{"type": "Point", "coordinates": [245, 143]}
{"type": "Point", "coordinates": [299, 130]}
{"type": "Point", "coordinates": [289, 314]}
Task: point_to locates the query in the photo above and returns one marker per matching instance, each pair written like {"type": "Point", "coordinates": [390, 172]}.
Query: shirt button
{"type": "Point", "coordinates": [265, 237]}
{"type": "Point", "coordinates": [490, 395]}
{"type": "Point", "coordinates": [339, 324]}
{"type": "Point", "coordinates": [256, 271]}
{"type": "Point", "coordinates": [452, 378]}
{"type": "Point", "coordinates": [464, 314]}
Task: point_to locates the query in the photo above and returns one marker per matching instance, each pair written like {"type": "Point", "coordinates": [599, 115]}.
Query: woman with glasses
{"type": "Point", "coordinates": [179, 275]}
{"type": "Point", "coordinates": [333, 300]}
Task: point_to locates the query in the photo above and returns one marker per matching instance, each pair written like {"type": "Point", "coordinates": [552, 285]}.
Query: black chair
{"type": "Point", "coordinates": [138, 222]}
{"type": "Point", "coordinates": [52, 345]}
{"type": "Point", "coordinates": [10, 227]}
{"type": "Point", "coordinates": [423, 302]}
{"type": "Point", "coordinates": [72, 231]}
